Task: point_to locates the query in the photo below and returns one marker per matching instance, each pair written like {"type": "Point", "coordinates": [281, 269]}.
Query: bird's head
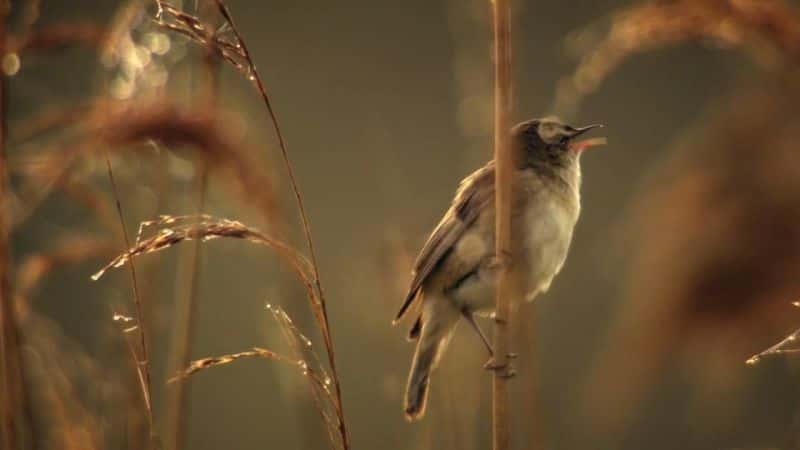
{"type": "Point", "coordinates": [550, 140]}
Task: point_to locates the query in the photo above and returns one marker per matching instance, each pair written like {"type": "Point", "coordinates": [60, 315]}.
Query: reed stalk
{"type": "Point", "coordinates": [501, 426]}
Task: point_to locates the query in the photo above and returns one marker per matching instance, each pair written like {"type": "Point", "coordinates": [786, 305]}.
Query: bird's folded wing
{"type": "Point", "coordinates": [474, 195]}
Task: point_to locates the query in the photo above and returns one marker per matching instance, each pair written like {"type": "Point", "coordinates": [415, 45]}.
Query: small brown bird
{"type": "Point", "coordinates": [454, 274]}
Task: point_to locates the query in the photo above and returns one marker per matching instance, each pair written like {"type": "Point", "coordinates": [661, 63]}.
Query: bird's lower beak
{"type": "Point", "coordinates": [582, 145]}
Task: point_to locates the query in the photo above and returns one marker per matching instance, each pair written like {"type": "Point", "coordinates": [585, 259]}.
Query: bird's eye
{"type": "Point", "coordinates": [547, 132]}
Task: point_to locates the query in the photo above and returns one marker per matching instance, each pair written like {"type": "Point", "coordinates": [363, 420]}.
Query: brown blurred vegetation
{"type": "Point", "coordinates": [684, 264]}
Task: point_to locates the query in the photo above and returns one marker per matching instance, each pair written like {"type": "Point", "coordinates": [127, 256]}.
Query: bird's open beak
{"type": "Point", "coordinates": [579, 131]}
{"type": "Point", "coordinates": [582, 145]}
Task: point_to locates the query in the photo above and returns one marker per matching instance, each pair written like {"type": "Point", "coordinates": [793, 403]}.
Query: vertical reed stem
{"type": "Point", "coordinates": [501, 427]}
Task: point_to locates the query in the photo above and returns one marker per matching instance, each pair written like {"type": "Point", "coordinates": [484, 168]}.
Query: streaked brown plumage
{"type": "Point", "coordinates": [455, 271]}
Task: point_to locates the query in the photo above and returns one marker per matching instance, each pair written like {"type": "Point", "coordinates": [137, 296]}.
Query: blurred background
{"type": "Point", "coordinates": [684, 264]}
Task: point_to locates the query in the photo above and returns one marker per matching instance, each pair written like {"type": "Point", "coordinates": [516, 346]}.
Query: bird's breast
{"type": "Point", "coordinates": [547, 224]}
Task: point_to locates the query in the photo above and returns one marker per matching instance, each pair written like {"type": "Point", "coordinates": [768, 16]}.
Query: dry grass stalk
{"type": "Point", "coordinates": [755, 24]}
{"type": "Point", "coordinates": [310, 367]}
{"type": "Point", "coordinates": [141, 358]}
{"type": "Point", "coordinates": [205, 228]}
{"type": "Point", "coordinates": [206, 136]}
{"type": "Point", "coordinates": [313, 371]}
{"type": "Point", "coordinates": [214, 361]}
{"type": "Point", "coordinates": [303, 350]}
{"type": "Point", "coordinates": [229, 43]}
{"type": "Point", "coordinates": [127, 326]}
{"type": "Point", "coordinates": [501, 420]}
{"type": "Point", "coordinates": [778, 349]}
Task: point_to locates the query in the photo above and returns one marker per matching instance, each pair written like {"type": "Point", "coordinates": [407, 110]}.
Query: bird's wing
{"type": "Point", "coordinates": [474, 194]}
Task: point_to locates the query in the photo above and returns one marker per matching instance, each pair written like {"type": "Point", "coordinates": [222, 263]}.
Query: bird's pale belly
{"type": "Point", "coordinates": [546, 233]}
{"type": "Point", "coordinates": [547, 243]}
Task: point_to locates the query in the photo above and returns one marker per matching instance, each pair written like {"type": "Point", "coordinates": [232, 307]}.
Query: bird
{"type": "Point", "coordinates": [454, 275]}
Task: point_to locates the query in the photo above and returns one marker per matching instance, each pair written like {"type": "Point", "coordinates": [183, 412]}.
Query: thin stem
{"type": "Point", "coordinates": [255, 77]}
{"type": "Point", "coordinates": [143, 364]}
{"type": "Point", "coordinates": [501, 427]}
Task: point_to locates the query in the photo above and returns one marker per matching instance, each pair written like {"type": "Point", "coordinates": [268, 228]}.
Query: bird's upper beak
{"type": "Point", "coordinates": [586, 143]}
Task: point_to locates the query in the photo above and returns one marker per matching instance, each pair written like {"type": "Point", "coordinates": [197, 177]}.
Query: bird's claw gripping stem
{"type": "Point", "coordinates": [505, 370]}
{"type": "Point", "coordinates": [498, 319]}
{"type": "Point", "coordinates": [500, 260]}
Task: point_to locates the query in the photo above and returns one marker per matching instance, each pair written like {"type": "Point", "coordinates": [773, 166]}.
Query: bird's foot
{"type": "Point", "coordinates": [493, 316]}
{"type": "Point", "coordinates": [504, 369]}
{"type": "Point", "coordinates": [500, 260]}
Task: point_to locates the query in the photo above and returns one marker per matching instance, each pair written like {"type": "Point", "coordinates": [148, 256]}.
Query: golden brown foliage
{"type": "Point", "coordinates": [769, 28]}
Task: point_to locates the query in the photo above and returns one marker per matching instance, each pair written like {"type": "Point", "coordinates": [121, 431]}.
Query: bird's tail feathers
{"type": "Point", "coordinates": [429, 351]}
{"type": "Point", "coordinates": [413, 332]}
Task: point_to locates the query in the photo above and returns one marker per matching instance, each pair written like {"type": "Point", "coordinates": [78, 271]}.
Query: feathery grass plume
{"type": "Point", "coordinates": [715, 249]}
{"type": "Point", "coordinates": [214, 361]}
{"type": "Point", "coordinates": [320, 384]}
{"type": "Point", "coordinates": [208, 137]}
{"type": "Point", "coordinates": [121, 127]}
{"type": "Point", "coordinates": [171, 230]}
{"type": "Point", "coordinates": [304, 359]}
{"type": "Point", "coordinates": [230, 44]}
{"type": "Point", "coordinates": [205, 228]}
{"type": "Point", "coordinates": [781, 348]}
{"type": "Point", "coordinates": [768, 28]}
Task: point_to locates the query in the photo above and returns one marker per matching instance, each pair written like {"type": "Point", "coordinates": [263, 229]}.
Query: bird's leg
{"type": "Point", "coordinates": [490, 364]}
{"type": "Point", "coordinates": [505, 369]}
{"type": "Point", "coordinates": [471, 321]}
{"type": "Point", "coordinates": [500, 260]}
{"type": "Point", "coordinates": [494, 317]}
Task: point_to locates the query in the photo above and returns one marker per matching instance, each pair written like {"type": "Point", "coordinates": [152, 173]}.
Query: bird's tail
{"type": "Point", "coordinates": [433, 340]}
